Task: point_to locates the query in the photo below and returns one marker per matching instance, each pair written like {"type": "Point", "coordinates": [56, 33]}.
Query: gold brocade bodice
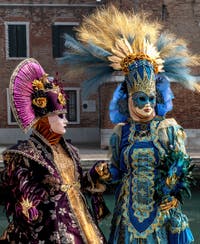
{"type": "Point", "coordinates": [71, 187]}
{"type": "Point", "coordinates": [64, 164]}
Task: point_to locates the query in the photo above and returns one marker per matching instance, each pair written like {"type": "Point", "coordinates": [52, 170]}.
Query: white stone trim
{"type": "Point", "coordinates": [49, 4]}
{"type": "Point", "coordinates": [66, 23]}
{"type": "Point", "coordinates": [116, 78]}
{"type": "Point", "coordinates": [105, 137]}
{"type": "Point", "coordinates": [9, 121]}
{"type": "Point", "coordinates": [6, 23]}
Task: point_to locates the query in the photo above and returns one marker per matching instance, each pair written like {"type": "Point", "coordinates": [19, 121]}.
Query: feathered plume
{"type": "Point", "coordinates": [109, 40]}
{"type": "Point", "coordinates": [89, 59]}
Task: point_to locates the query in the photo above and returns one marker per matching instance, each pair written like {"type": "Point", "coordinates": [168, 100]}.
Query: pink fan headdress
{"type": "Point", "coordinates": [33, 94]}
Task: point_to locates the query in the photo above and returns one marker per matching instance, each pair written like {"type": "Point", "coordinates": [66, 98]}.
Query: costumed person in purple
{"type": "Point", "coordinates": [42, 175]}
{"type": "Point", "coordinates": [149, 164]}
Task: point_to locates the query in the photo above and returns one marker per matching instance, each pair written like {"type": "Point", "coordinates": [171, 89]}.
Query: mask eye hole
{"type": "Point", "coordinates": [142, 99]}
{"type": "Point", "coordinates": [151, 98]}
{"type": "Point", "coordinates": [62, 116]}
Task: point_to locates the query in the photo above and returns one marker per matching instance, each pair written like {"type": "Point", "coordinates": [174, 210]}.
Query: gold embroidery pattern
{"type": "Point", "coordinates": [155, 137]}
{"type": "Point", "coordinates": [141, 211]}
{"type": "Point", "coordinates": [143, 182]}
{"type": "Point", "coordinates": [26, 205]}
{"type": "Point", "coordinates": [66, 187]}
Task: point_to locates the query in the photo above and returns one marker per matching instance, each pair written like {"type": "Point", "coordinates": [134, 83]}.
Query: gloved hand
{"type": "Point", "coordinates": [97, 175]}
{"type": "Point", "coordinates": [167, 204]}
{"type": "Point", "coordinates": [102, 170]}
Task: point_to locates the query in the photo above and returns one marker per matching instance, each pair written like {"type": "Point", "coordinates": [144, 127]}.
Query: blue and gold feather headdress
{"type": "Point", "coordinates": [110, 40]}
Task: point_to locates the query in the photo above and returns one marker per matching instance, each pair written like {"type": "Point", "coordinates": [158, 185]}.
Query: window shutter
{"type": "Point", "coordinates": [21, 41]}
{"type": "Point", "coordinates": [55, 44]}
{"type": "Point", "coordinates": [72, 106]}
{"type": "Point", "coordinates": [58, 32]}
{"type": "Point", "coordinates": [12, 41]}
{"type": "Point", "coordinates": [17, 41]}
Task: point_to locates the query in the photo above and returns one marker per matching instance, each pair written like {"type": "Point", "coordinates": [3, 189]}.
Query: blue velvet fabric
{"type": "Point", "coordinates": [164, 96]}
{"type": "Point", "coordinates": [184, 237]}
{"type": "Point", "coordinates": [118, 108]}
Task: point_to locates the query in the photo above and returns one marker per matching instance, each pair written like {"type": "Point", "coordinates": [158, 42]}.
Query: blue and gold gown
{"type": "Point", "coordinates": [137, 150]}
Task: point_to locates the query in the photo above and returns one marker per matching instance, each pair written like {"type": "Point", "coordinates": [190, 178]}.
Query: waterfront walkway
{"type": "Point", "coordinates": [90, 153]}
{"type": "Point", "coordinates": [93, 151]}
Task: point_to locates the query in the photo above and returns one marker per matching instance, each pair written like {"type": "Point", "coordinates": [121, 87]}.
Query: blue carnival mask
{"type": "Point", "coordinates": [140, 99]}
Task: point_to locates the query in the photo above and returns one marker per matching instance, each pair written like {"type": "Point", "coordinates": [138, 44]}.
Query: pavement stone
{"type": "Point", "coordinates": [88, 154]}
{"type": "Point", "coordinates": [94, 152]}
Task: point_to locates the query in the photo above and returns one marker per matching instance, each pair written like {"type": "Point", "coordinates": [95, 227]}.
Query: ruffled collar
{"type": "Point", "coordinates": [43, 128]}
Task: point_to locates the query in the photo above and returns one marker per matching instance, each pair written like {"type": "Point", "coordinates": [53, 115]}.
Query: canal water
{"type": "Point", "coordinates": [191, 208]}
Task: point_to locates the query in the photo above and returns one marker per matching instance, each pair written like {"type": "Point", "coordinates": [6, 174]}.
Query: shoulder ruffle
{"type": "Point", "coordinates": [167, 123]}
{"type": "Point", "coordinates": [171, 133]}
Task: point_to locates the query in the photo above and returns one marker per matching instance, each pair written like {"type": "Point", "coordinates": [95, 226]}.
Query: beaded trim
{"type": "Point", "coordinates": [138, 56]}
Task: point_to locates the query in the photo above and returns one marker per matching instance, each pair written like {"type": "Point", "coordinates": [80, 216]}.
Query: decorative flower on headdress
{"type": "Point", "coordinates": [39, 97]}
{"type": "Point", "coordinates": [61, 99]}
{"type": "Point", "coordinates": [38, 85]}
{"type": "Point", "coordinates": [40, 102]}
{"type": "Point", "coordinates": [33, 94]}
{"type": "Point", "coordinates": [42, 88]}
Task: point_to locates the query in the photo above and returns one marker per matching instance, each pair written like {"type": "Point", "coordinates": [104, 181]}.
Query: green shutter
{"type": "Point", "coordinates": [12, 41]}
{"type": "Point", "coordinates": [21, 41]}
{"type": "Point", "coordinates": [17, 41]}
{"type": "Point", "coordinates": [58, 32]}
{"type": "Point", "coordinates": [72, 106]}
{"type": "Point", "coordinates": [55, 45]}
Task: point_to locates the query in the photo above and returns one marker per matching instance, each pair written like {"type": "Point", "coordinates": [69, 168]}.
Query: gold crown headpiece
{"type": "Point", "coordinates": [140, 77]}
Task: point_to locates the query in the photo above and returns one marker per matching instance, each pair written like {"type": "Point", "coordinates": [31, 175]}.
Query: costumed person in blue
{"type": "Point", "coordinates": [149, 163]}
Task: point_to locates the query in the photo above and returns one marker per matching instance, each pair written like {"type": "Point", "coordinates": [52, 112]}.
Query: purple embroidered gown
{"type": "Point", "coordinates": [45, 200]}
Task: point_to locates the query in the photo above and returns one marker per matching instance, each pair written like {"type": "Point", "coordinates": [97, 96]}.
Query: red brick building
{"type": "Point", "coordinates": [35, 29]}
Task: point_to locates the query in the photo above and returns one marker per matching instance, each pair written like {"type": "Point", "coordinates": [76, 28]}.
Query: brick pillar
{"type": "Point", "coordinates": [106, 93]}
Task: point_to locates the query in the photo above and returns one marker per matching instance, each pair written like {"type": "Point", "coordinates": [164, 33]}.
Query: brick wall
{"type": "Point", "coordinates": [186, 109]}
{"type": "Point", "coordinates": [106, 92]}
{"type": "Point", "coordinates": [181, 17]}
{"type": "Point", "coordinates": [41, 19]}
